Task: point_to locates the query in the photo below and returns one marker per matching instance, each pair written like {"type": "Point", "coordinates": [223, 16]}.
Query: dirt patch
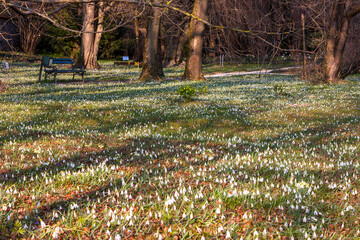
{"type": "Point", "coordinates": [290, 71]}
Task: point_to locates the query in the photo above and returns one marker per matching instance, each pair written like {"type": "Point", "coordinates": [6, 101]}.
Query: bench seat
{"type": "Point", "coordinates": [48, 64]}
{"type": "Point", "coordinates": [65, 71]}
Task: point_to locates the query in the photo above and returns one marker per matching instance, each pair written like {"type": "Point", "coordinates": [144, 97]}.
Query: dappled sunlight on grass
{"type": "Point", "coordinates": [252, 157]}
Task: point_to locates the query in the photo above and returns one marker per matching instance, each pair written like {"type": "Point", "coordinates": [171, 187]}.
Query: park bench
{"type": "Point", "coordinates": [48, 64]}
{"type": "Point", "coordinates": [126, 62]}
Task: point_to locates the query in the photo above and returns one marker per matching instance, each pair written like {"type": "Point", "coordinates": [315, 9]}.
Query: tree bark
{"type": "Point", "coordinates": [193, 68]}
{"type": "Point", "coordinates": [170, 49]}
{"type": "Point", "coordinates": [337, 35]}
{"type": "Point", "coordinates": [137, 55]}
{"type": "Point", "coordinates": [87, 51]}
{"type": "Point", "coordinates": [152, 66]}
{"type": "Point", "coordinates": [182, 42]}
{"type": "Point", "coordinates": [98, 34]}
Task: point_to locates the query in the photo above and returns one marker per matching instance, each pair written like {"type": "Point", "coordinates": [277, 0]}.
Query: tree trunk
{"type": "Point", "coordinates": [337, 35]}
{"type": "Point", "coordinates": [137, 55]}
{"type": "Point", "coordinates": [170, 49]}
{"type": "Point", "coordinates": [193, 68]}
{"type": "Point", "coordinates": [152, 66]}
{"type": "Point", "coordinates": [98, 34]}
{"type": "Point", "coordinates": [182, 42]}
{"type": "Point", "coordinates": [212, 42]}
{"type": "Point", "coordinates": [87, 52]}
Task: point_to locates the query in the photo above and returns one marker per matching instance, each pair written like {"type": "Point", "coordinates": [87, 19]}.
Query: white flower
{"type": "Point", "coordinates": [228, 235]}
{"type": "Point", "coordinates": [42, 224]}
{"type": "Point", "coordinates": [56, 232]}
{"type": "Point", "coordinates": [218, 211]}
{"type": "Point", "coordinates": [118, 237]}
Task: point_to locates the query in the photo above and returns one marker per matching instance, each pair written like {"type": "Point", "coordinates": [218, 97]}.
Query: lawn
{"type": "Point", "coordinates": [252, 158]}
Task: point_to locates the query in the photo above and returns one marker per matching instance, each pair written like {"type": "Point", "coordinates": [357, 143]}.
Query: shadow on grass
{"type": "Point", "coordinates": [82, 160]}
{"type": "Point", "coordinates": [208, 123]}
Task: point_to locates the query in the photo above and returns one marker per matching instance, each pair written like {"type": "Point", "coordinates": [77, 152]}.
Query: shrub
{"type": "Point", "coordinates": [188, 92]}
{"type": "Point", "coordinates": [279, 90]}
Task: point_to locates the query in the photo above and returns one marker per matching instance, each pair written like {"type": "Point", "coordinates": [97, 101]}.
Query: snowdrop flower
{"type": "Point", "coordinates": [228, 235]}
{"type": "Point", "coordinates": [55, 234]}
{"type": "Point", "coordinates": [218, 211]}
{"type": "Point", "coordinates": [42, 224]}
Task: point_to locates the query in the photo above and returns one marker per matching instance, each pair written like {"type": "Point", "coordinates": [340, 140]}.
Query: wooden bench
{"type": "Point", "coordinates": [49, 69]}
{"type": "Point", "coordinates": [126, 62]}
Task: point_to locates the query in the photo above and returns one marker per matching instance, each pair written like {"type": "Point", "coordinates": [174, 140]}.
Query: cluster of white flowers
{"type": "Point", "coordinates": [125, 161]}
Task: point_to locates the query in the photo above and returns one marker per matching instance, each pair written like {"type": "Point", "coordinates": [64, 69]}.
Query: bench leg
{"type": "Point", "coordinates": [73, 76]}
{"type": "Point", "coordinates": [55, 78]}
{"type": "Point", "coordinates": [40, 72]}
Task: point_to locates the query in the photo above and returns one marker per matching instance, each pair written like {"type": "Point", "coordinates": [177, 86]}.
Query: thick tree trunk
{"type": "Point", "coordinates": [152, 66]}
{"type": "Point", "coordinates": [98, 34]}
{"type": "Point", "coordinates": [335, 42]}
{"type": "Point", "coordinates": [87, 52]}
{"type": "Point", "coordinates": [337, 35]}
{"type": "Point", "coordinates": [193, 68]}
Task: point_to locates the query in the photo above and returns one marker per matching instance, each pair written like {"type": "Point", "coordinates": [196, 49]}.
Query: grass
{"type": "Point", "coordinates": [253, 158]}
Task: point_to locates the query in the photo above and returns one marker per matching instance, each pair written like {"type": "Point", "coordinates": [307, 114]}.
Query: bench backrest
{"type": "Point", "coordinates": [62, 61]}
{"type": "Point", "coordinates": [48, 61]}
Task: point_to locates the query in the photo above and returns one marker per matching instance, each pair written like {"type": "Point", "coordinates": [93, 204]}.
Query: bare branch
{"type": "Point", "coordinates": [353, 11]}
{"type": "Point", "coordinates": [29, 11]}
